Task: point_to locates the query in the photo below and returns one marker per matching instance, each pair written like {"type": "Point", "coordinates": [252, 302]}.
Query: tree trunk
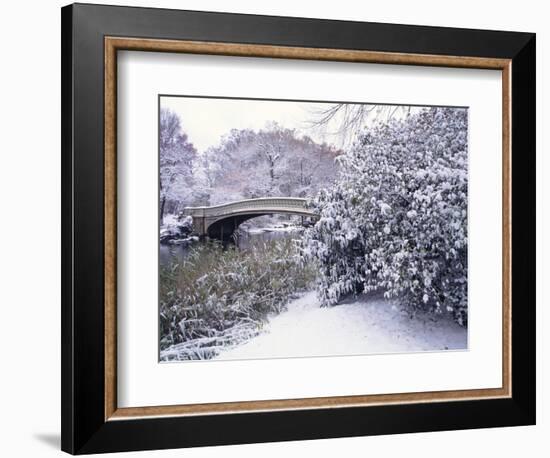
{"type": "Point", "coordinates": [162, 204]}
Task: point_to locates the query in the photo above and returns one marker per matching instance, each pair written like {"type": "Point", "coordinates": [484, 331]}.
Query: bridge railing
{"type": "Point", "coordinates": [266, 203]}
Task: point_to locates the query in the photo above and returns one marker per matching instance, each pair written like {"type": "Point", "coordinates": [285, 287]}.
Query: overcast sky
{"type": "Point", "coordinates": [206, 120]}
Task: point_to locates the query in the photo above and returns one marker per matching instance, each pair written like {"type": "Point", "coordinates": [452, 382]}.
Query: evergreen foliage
{"type": "Point", "coordinates": [396, 219]}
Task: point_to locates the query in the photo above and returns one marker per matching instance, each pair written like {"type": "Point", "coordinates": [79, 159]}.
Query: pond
{"type": "Point", "coordinates": [244, 240]}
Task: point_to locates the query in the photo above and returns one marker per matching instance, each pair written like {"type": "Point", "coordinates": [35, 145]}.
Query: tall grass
{"type": "Point", "coordinates": [218, 298]}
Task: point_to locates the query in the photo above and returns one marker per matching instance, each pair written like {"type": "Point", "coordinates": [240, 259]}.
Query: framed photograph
{"type": "Point", "coordinates": [283, 228]}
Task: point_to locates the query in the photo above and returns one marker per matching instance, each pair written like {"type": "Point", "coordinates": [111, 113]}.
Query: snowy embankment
{"type": "Point", "coordinates": [177, 231]}
{"type": "Point", "coordinates": [362, 326]}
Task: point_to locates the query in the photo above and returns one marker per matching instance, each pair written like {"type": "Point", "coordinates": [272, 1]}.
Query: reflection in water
{"type": "Point", "coordinates": [243, 239]}
{"type": "Point", "coordinates": [247, 239]}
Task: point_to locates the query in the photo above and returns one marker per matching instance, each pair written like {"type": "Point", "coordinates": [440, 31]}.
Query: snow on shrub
{"type": "Point", "coordinates": [176, 229]}
{"type": "Point", "coordinates": [396, 220]}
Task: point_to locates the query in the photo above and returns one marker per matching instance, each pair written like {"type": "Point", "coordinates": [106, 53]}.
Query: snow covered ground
{"type": "Point", "coordinates": [362, 326]}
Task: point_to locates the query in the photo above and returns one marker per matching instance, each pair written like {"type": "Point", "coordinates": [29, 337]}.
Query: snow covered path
{"type": "Point", "coordinates": [357, 327]}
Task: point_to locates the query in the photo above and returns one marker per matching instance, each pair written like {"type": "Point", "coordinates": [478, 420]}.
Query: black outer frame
{"type": "Point", "coordinates": [84, 429]}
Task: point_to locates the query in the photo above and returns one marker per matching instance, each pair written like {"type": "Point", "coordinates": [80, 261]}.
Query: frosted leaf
{"type": "Point", "coordinates": [384, 208]}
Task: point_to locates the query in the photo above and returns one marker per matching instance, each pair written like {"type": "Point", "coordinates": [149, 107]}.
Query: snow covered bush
{"type": "Point", "coordinates": [218, 298]}
{"type": "Point", "coordinates": [175, 229]}
{"type": "Point", "coordinates": [396, 220]}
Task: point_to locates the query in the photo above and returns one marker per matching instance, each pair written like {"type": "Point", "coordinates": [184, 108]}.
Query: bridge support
{"type": "Point", "coordinates": [199, 225]}
{"type": "Point", "coordinates": [220, 222]}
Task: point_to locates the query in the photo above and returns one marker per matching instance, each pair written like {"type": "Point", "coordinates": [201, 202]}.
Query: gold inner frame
{"type": "Point", "coordinates": [114, 44]}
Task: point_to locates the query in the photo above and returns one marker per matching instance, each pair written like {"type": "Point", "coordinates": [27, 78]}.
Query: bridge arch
{"type": "Point", "coordinates": [221, 221]}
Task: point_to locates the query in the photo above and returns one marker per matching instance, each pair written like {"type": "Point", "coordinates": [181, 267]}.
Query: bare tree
{"type": "Point", "coordinates": [348, 119]}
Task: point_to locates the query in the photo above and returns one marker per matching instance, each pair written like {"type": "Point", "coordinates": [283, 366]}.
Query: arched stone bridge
{"type": "Point", "coordinates": [220, 221]}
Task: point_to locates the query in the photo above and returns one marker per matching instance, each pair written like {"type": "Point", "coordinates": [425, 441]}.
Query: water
{"type": "Point", "coordinates": [247, 239]}
{"type": "Point", "coordinates": [168, 252]}
{"type": "Point", "coordinates": [244, 241]}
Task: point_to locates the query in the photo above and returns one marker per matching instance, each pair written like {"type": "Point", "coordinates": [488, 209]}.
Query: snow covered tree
{"type": "Point", "coordinates": [274, 161]}
{"type": "Point", "coordinates": [271, 148]}
{"type": "Point", "coordinates": [177, 155]}
{"type": "Point", "coordinates": [396, 220]}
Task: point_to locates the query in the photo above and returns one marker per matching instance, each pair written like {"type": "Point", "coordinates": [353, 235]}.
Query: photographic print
{"type": "Point", "coordinates": [310, 228]}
